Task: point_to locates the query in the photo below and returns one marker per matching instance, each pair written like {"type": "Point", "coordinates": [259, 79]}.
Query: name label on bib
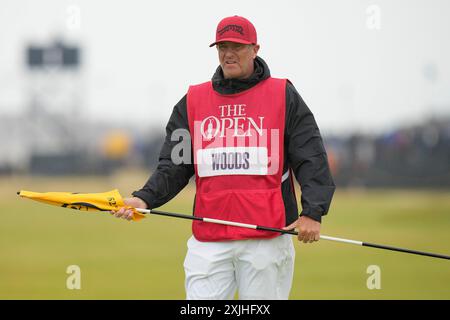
{"type": "Point", "coordinates": [232, 161]}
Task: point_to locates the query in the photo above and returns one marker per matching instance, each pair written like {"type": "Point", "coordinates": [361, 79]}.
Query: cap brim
{"type": "Point", "coordinates": [237, 40]}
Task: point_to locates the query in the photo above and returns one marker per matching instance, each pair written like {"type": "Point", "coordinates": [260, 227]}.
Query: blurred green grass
{"type": "Point", "coordinates": [124, 260]}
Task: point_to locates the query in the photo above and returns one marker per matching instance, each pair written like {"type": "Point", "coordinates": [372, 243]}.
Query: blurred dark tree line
{"type": "Point", "coordinates": [414, 156]}
{"type": "Point", "coordinates": [410, 156]}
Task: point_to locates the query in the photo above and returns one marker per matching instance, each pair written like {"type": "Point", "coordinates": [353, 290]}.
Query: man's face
{"type": "Point", "coordinates": [236, 59]}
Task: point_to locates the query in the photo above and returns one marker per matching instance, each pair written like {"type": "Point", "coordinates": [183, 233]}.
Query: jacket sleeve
{"type": "Point", "coordinates": [169, 178]}
{"type": "Point", "coordinates": [307, 157]}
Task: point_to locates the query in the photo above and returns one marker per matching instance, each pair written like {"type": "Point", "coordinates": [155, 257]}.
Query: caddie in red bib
{"type": "Point", "coordinates": [244, 136]}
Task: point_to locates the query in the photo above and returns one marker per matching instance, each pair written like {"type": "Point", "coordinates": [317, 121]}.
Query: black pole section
{"type": "Point", "coordinates": [428, 254]}
{"type": "Point", "coordinates": [295, 233]}
{"type": "Point", "coordinates": [176, 215]}
{"type": "Point", "coordinates": [183, 216]}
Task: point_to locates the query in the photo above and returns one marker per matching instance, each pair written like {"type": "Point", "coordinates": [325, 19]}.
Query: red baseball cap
{"type": "Point", "coordinates": [235, 29]}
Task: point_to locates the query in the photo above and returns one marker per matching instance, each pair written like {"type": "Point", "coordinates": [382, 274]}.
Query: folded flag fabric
{"type": "Point", "coordinates": [106, 201]}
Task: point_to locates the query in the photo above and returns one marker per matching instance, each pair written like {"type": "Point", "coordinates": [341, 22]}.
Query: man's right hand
{"type": "Point", "coordinates": [127, 214]}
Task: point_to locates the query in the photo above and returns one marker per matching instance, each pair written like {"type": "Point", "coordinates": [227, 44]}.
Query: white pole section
{"type": "Point", "coordinates": [359, 243]}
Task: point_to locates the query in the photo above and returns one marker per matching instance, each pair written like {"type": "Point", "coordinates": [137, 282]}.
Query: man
{"type": "Point", "coordinates": [250, 134]}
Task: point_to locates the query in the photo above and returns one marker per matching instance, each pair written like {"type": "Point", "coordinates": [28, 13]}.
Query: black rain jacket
{"type": "Point", "coordinates": [304, 153]}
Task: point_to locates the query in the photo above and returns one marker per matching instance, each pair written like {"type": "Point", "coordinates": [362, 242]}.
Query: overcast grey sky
{"type": "Point", "coordinates": [357, 64]}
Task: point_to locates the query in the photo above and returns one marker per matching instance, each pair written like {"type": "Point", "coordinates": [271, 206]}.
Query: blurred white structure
{"type": "Point", "coordinates": [50, 125]}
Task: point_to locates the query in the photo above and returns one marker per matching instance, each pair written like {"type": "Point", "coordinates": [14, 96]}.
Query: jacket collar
{"type": "Point", "coordinates": [231, 86]}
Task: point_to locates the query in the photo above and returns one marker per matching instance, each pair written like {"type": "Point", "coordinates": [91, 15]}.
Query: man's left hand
{"type": "Point", "coordinates": [308, 229]}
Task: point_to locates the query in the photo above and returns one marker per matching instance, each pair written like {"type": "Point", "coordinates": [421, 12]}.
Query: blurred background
{"type": "Point", "coordinates": [86, 89]}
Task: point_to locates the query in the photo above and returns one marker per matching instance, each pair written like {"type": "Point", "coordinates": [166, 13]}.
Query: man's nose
{"type": "Point", "coordinates": [229, 53]}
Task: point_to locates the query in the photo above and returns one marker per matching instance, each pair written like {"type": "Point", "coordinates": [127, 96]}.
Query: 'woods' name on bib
{"type": "Point", "coordinates": [234, 142]}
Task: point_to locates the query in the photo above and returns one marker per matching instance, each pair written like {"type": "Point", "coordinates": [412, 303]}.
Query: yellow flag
{"type": "Point", "coordinates": [106, 201]}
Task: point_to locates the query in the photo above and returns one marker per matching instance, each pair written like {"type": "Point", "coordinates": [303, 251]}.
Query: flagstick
{"type": "Point", "coordinates": [252, 226]}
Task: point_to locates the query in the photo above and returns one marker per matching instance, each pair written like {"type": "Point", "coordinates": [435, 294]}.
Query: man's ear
{"type": "Point", "coordinates": [255, 50]}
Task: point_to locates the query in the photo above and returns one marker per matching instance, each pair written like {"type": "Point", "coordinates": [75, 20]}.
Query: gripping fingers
{"type": "Point", "coordinates": [302, 236]}
{"type": "Point", "coordinates": [123, 213]}
{"type": "Point", "coordinates": [129, 215]}
{"type": "Point", "coordinates": [306, 238]}
{"type": "Point", "coordinates": [314, 237]}
{"type": "Point", "coordinates": [119, 213]}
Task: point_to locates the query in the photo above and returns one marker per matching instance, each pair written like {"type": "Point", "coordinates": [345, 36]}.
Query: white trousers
{"type": "Point", "coordinates": [257, 269]}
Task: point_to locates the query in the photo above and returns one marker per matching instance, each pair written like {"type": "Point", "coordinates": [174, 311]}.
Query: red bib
{"type": "Point", "coordinates": [238, 144]}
